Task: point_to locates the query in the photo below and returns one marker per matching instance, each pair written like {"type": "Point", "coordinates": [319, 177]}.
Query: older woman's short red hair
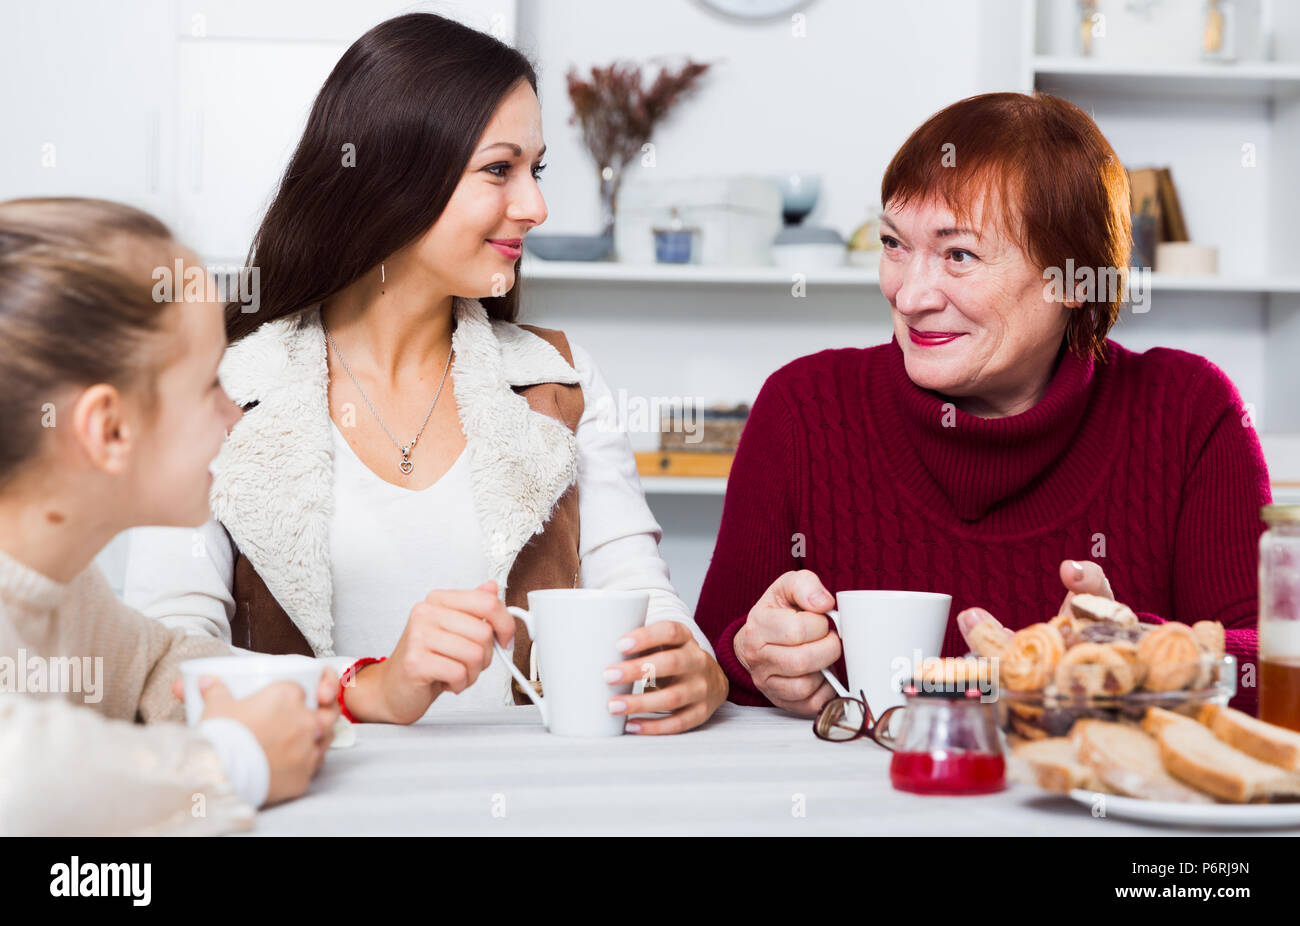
{"type": "Point", "coordinates": [1052, 181]}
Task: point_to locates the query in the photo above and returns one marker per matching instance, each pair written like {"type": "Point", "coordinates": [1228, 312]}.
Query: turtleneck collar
{"type": "Point", "coordinates": [979, 462]}
{"type": "Point", "coordinates": [22, 586]}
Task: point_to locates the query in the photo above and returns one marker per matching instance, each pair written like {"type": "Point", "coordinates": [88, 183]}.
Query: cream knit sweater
{"type": "Point", "coordinates": [79, 672]}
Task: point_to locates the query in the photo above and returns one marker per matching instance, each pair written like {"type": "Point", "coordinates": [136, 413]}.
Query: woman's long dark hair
{"type": "Point", "coordinates": [412, 96]}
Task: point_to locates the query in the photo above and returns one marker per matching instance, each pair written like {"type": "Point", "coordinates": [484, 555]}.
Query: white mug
{"type": "Point", "coordinates": [878, 627]}
{"type": "Point", "coordinates": [574, 630]}
{"type": "Point", "coordinates": [245, 675]}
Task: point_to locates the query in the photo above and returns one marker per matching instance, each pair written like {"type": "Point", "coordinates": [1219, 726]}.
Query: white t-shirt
{"type": "Point", "coordinates": [390, 547]}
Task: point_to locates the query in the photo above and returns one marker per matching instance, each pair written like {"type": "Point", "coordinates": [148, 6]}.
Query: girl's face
{"type": "Point", "coordinates": [471, 250]}
{"type": "Point", "coordinates": [165, 475]}
{"type": "Point", "coordinates": [977, 284]}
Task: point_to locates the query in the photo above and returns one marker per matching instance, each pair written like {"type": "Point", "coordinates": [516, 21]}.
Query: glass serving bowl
{"type": "Point", "coordinates": [1052, 710]}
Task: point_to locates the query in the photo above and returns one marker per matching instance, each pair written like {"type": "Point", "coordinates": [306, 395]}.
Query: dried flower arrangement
{"type": "Point", "coordinates": [618, 114]}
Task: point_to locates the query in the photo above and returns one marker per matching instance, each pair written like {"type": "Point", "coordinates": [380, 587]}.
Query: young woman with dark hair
{"type": "Point", "coordinates": [409, 455]}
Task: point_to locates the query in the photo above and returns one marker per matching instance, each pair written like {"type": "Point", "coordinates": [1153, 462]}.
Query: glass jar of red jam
{"type": "Point", "coordinates": [947, 741]}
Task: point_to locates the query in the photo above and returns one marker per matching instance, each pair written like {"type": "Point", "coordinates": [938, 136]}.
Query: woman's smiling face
{"type": "Point", "coordinates": [973, 281]}
{"type": "Point", "coordinates": [473, 246]}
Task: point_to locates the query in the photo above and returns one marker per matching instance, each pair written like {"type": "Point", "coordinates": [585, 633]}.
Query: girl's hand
{"type": "Point", "coordinates": [446, 644]}
{"type": "Point", "coordinates": [293, 736]}
{"type": "Point", "coordinates": [690, 683]}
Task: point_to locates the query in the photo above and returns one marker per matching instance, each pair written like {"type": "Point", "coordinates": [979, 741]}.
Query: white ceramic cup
{"type": "Point", "coordinates": [245, 675]}
{"type": "Point", "coordinates": [877, 628]}
{"type": "Point", "coordinates": [574, 630]}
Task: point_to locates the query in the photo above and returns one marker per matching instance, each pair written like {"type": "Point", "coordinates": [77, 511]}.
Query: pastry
{"type": "Point", "coordinates": [1094, 670]}
{"type": "Point", "coordinates": [1172, 656]}
{"type": "Point", "coordinates": [1210, 635]}
{"type": "Point", "coordinates": [952, 670]}
{"type": "Point", "coordinates": [1129, 650]}
{"type": "Point", "coordinates": [1026, 729]}
{"type": "Point", "coordinates": [1100, 608]}
{"type": "Point", "coordinates": [1106, 632]}
{"type": "Point", "coordinates": [989, 639]}
{"type": "Point", "coordinates": [1031, 657]}
{"type": "Point", "coordinates": [1069, 627]}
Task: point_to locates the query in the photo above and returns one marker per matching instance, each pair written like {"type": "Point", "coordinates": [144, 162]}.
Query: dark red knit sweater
{"type": "Point", "coordinates": [1150, 454]}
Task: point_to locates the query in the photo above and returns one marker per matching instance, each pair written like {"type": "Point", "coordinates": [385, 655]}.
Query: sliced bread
{"type": "Point", "coordinates": [1157, 719]}
{"type": "Point", "coordinates": [1052, 764]}
{"type": "Point", "coordinates": [1128, 761]}
{"type": "Point", "coordinates": [1264, 741]}
{"type": "Point", "coordinates": [1193, 754]}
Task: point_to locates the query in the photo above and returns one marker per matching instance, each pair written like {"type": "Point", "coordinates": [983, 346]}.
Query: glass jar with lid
{"type": "Point", "coordinates": [1279, 616]}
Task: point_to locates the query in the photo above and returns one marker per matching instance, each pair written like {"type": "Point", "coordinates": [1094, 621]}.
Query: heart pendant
{"type": "Point", "coordinates": [406, 466]}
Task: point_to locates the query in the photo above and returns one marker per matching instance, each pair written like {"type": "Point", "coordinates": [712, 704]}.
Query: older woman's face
{"type": "Point", "coordinates": [995, 332]}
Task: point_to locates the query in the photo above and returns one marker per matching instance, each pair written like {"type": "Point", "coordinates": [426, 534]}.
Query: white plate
{"type": "Point", "coordinates": [1226, 815]}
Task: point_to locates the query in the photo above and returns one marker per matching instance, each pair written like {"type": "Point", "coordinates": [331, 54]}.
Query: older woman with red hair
{"type": "Point", "coordinates": [1000, 448]}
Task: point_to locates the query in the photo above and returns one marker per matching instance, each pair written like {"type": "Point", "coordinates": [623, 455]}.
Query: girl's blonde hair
{"type": "Point", "coordinates": [76, 309]}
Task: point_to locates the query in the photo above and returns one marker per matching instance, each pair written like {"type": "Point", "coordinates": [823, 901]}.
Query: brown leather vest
{"type": "Point", "coordinates": [548, 560]}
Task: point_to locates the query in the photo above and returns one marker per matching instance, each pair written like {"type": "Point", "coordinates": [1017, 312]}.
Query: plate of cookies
{"type": "Point", "coordinates": [1097, 661]}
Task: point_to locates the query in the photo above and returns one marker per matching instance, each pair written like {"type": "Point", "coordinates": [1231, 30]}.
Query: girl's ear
{"type": "Point", "coordinates": [100, 429]}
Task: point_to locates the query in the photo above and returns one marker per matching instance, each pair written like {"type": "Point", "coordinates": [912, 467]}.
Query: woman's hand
{"type": "Point", "coordinates": [1079, 578]}
{"type": "Point", "coordinates": [1083, 577]}
{"type": "Point", "coordinates": [787, 640]}
{"type": "Point", "coordinates": [293, 736]}
{"type": "Point", "coordinates": [446, 644]}
{"type": "Point", "coordinates": [689, 682]}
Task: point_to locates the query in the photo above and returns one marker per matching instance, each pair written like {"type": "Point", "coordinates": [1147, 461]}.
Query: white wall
{"type": "Point", "coordinates": [839, 101]}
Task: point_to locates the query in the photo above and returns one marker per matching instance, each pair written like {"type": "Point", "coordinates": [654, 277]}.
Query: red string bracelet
{"type": "Point", "coordinates": [346, 677]}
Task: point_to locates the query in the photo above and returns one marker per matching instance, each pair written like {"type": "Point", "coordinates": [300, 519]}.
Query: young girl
{"type": "Point", "coordinates": [409, 456]}
{"type": "Point", "coordinates": [112, 414]}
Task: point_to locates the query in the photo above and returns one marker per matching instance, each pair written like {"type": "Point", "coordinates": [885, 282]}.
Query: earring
{"type": "Point", "coordinates": [381, 276]}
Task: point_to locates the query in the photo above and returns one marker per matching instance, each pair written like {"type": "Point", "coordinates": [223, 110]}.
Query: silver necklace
{"type": "Point", "coordinates": [406, 465]}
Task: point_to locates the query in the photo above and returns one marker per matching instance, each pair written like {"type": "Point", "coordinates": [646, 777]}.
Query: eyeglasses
{"type": "Point", "coordinates": [843, 719]}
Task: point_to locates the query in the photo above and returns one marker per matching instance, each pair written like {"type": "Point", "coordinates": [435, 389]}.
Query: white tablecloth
{"type": "Point", "coordinates": [750, 770]}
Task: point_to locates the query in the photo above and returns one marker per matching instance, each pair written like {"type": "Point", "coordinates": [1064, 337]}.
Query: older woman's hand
{"type": "Point", "coordinates": [1083, 577]}
{"type": "Point", "coordinates": [787, 640]}
{"type": "Point", "coordinates": [1079, 578]}
{"type": "Point", "coordinates": [688, 681]}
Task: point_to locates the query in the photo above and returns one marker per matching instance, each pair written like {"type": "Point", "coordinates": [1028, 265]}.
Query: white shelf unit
{"type": "Point", "coordinates": [1227, 131]}
{"type": "Point", "coordinates": [691, 274]}
{"type": "Point", "coordinates": [1249, 81]}
{"type": "Point", "coordinates": [535, 269]}
{"type": "Point", "coordinates": [684, 485]}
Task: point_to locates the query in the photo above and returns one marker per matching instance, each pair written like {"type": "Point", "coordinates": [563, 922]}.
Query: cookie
{"type": "Point", "coordinates": [1094, 670]}
{"type": "Point", "coordinates": [1210, 635]}
{"type": "Point", "coordinates": [989, 639]}
{"type": "Point", "coordinates": [1106, 632]}
{"type": "Point", "coordinates": [1172, 655]}
{"type": "Point", "coordinates": [1129, 650]}
{"type": "Point", "coordinates": [1100, 608]}
{"type": "Point", "coordinates": [1069, 627]}
{"type": "Point", "coordinates": [952, 670]}
{"type": "Point", "coordinates": [1031, 658]}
